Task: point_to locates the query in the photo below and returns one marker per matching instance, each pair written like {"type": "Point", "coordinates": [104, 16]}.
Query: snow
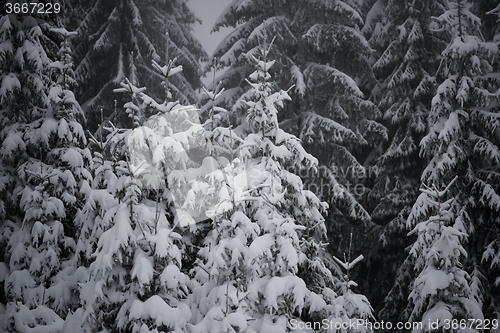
{"type": "Point", "coordinates": [65, 33]}
{"type": "Point", "coordinates": [74, 160]}
{"type": "Point", "coordinates": [273, 324]}
{"type": "Point", "coordinates": [115, 238]}
{"type": "Point", "coordinates": [238, 321]}
{"type": "Point", "coordinates": [12, 143]}
{"type": "Point", "coordinates": [104, 40]}
{"type": "Point", "coordinates": [23, 317]}
{"type": "Point", "coordinates": [261, 246]}
{"type": "Point", "coordinates": [473, 308]}
{"type": "Point", "coordinates": [143, 268]}
{"type": "Point", "coordinates": [221, 18]}
{"type": "Point", "coordinates": [120, 74]}
{"type": "Point", "coordinates": [268, 24]}
{"type": "Point", "coordinates": [73, 323]}
{"type": "Point", "coordinates": [167, 70]}
{"type": "Point", "coordinates": [349, 265]}
{"type": "Point", "coordinates": [357, 305]}
{"type": "Point", "coordinates": [489, 196]}
{"type": "Point", "coordinates": [373, 14]}
{"type": "Point", "coordinates": [172, 277]}
{"type": "Point", "coordinates": [281, 286]}
{"type": "Point", "coordinates": [156, 309]}
{"type": "Point", "coordinates": [334, 75]}
{"type": "Point", "coordinates": [183, 218]}
{"type": "Point", "coordinates": [315, 302]}
{"type": "Point", "coordinates": [433, 280]}
{"type": "Point", "coordinates": [136, 15]}
{"type": "Point", "coordinates": [128, 87]}
{"type": "Point", "coordinates": [439, 312]}
{"type": "Point", "coordinates": [163, 240]}
{"type": "Point", "coordinates": [10, 84]}
{"type": "Point", "coordinates": [43, 133]}
{"type": "Point", "coordinates": [451, 127]}
{"type": "Point", "coordinates": [297, 75]}
{"type": "Point", "coordinates": [131, 106]}
{"type": "Point", "coordinates": [463, 45]}
{"type": "Point", "coordinates": [34, 54]}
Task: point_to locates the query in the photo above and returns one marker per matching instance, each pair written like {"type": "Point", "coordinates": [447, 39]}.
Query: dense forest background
{"type": "Point", "coordinates": [372, 127]}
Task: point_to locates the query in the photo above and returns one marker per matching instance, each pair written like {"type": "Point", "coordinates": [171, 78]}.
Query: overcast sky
{"type": "Point", "coordinates": [208, 11]}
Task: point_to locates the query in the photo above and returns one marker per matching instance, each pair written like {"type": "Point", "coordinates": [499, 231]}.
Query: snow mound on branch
{"type": "Point", "coordinates": [159, 311]}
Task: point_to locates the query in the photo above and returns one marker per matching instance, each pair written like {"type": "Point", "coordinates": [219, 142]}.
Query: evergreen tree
{"type": "Point", "coordinates": [487, 11]}
{"type": "Point", "coordinates": [320, 50]}
{"type": "Point", "coordinates": [262, 262]}
{"type": "Point", "coordinates": [120, 39]}
{"type": "Point", "coordinates": [353, 307]}
{"type": "Point", "coordinates": [135, 282]}
{"type": "Point", "coordinates": [108, 150]}
{"type": "Point", "coordinates": [495, 12]}
{"type": "Point", "coordinates": [95, 218]}
{"type": "Point", "coordinates": [407, 58]}
{"type": "Point", "coordinates": [463, 142]}
{"type": "Point", "coordinates": [19, 35]}
{"type": "Point", "coordinates": [47, 160]}
{"type": "Point", "coordinates": [215, 301]}
{"type": "Point", "coordinates": [465, 67]}
{"type": "Point", "coordinates": [441, 291]}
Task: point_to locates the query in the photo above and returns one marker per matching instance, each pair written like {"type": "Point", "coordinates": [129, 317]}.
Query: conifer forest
{"type": "Point", "coordinates": [339, 173]}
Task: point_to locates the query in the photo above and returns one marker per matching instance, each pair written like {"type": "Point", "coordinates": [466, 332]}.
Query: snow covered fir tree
{"type": "Point", "coordinates": [340, 171]}
{"type": "Point", "coordinates": [46, 164]}
{"type": "Point", "coordinates": [118, 39]}
{"type": "Point", "coordinates": [441, 291]}
{"type": "Point", "coordinates": [320, 50]}
{"type": "Point", "coordinates": [400, 33]}
{"type": "Point", "coordinates": [262, 267]}
{"type": "Point", "coordinates": [463, 141]}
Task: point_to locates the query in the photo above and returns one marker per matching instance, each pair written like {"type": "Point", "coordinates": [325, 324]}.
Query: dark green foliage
{"type": "Point", "coordinates": [119, 39]}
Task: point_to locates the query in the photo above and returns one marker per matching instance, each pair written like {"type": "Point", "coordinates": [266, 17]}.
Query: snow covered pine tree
{"type": "Point", "coordinates": [48, 165]}
{"type": "Point", "coordinates": [120, 38]}
{"type": "Point", "coordinates": [262, 268]}
{"type": "Point", "coordinates": [321, 52]}
{"type": "Point", "coordinates": [407, 57]}
{"type": "Point", "coordinates": [463, 143]}
{"type": "Point", "coordinates": [135, 279]}
{"type": "Point", "coordinates": [441, 293]}
{"type": "Point", "coordinates": [467, 103]}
